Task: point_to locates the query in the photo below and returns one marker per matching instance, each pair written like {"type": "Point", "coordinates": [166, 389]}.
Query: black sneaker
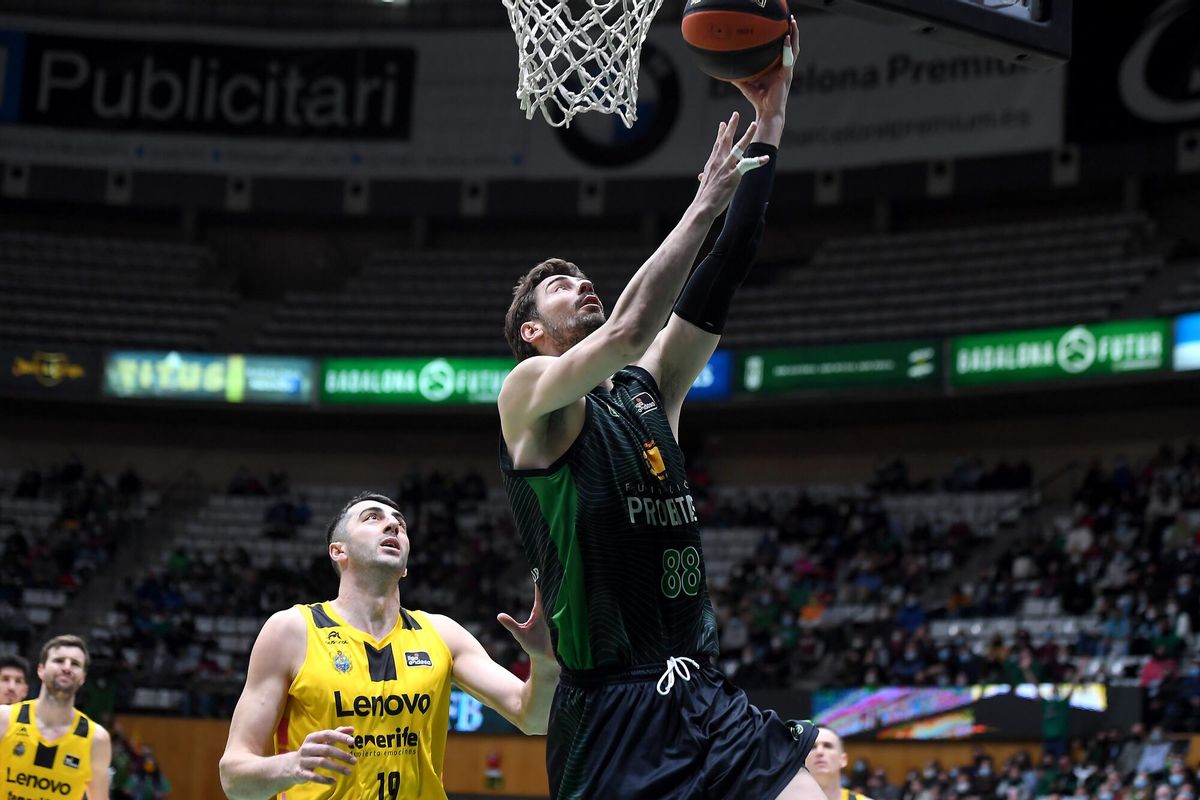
{"type": "Point", "coordinates": [804, 731]}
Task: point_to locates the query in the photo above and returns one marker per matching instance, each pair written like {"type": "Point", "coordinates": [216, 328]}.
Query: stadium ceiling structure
{"type": "Point", "coordinates": [294, 13]}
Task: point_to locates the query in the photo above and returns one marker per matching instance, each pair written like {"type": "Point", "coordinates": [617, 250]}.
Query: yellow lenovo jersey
{"type": "Point", "coordinates": [849, 795]}
{"type": "Point", "coordinates": [35, 769]}
{"type": "Point", "coordinates": [394, 692]}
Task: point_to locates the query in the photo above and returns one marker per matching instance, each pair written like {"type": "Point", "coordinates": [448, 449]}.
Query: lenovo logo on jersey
{"type": "Point", "coordinates": [36, 782]}
{"type": "Point", "coordinates": [417, 658]}
{"type": "Point", "coordinates": [381, 705]}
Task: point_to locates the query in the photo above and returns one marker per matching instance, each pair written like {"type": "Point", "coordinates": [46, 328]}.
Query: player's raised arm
{"type": "Point", "coordinates": [541, 386]}
{"type": "Point", "coordinates": [525, 704]}
{"type": "Point", "coordinates": [681, 350]}
{"type": "Point", "coordinates": [249, 770]}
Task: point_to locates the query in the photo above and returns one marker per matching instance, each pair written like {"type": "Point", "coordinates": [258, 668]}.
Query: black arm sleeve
{"type": "Point", "coordinates": [706, 297]}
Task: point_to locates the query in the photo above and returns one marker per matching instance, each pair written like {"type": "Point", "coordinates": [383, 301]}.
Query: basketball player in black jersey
{"type": "Point", "coordinates": [598, 490]}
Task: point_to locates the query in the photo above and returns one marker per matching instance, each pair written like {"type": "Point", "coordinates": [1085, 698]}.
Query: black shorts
{"type": "Point", "coordinates": [613, 736]}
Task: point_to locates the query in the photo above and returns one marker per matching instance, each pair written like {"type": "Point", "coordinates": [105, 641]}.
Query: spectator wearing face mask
{"type": "Point", "coordinates": [983, 781]}
{"type": "Point", "coordinates": [1154, 753]}
{"type": "Point", "coordinates": [1142, 790]}
{"type": "Point", "coordinates": [1012, 782]}
{"type": "Point", "coordinates": [1131, 751]}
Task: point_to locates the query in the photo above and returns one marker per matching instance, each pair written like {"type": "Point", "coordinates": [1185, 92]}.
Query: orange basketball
{"type": "Point", "coordinates": [735, 40]}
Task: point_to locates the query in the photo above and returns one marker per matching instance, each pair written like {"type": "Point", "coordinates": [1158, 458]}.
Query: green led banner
{"type": "Point", "coordinates": [412, 381]}
{"type": "Point", "coordinates": [841, 367]}
{"type": "Point", "coordinates": [218, 377]}
{"type": "Point", "coordinates": [1110, 348]}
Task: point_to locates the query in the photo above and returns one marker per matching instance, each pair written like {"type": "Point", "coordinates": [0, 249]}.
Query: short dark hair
{"type": "Point", "coordinates": [15, 662]}
{"type": "Point", "coordinates": [66, 640]}
{"type": "Point", "coordinates": [524, 303]}
{"type": "Point", "coordinates": [339, 520]}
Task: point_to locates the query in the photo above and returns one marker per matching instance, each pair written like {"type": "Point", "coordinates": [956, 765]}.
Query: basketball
{"type": "Point", "coordinates": [734, 40]}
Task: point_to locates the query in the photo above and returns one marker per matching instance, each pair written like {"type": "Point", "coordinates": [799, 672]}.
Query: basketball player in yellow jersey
{"type": "Point", "coordinates": [826, 761]}
{"type": "Point", "coordinates": [350, 698]}
{"type": "Point", "coordinates": [50, 750]}
{"type": "Point", "coordinates": [14, 679]}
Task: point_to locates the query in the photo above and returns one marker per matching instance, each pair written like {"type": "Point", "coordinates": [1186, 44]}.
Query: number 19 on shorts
{"type": "Point", "coordinates": [681, 572]}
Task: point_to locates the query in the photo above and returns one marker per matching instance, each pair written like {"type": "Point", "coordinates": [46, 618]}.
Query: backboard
{"type": "Point", "coordinates": [1035, 33]}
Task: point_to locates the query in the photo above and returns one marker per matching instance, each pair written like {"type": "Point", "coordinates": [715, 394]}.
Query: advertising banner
{"type": "Point", "coordinates": [412, 381]}
{"type": "Point", "coordinates": [715, 381]}
{"type": "Point", "coordinates": [52, 372]}
{"type": "Point", "coordinates": [214, 377]}
{"type": "Point", "coordinates": [1134, 71]}
{"type": "Point", "coordinates": [391, 104]}
{"type": "Point", "coordinates": [982, 711]}
{"type": "Point", "coordinates": [852, 366]}
{"type": "Point", "coordinates": [1108, 348]}
{"type": "Point", "coordinates": [1187, 342]}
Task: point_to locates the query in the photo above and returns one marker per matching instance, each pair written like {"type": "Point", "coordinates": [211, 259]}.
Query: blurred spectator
{"type": "Point", "coordinates": [129, 483]}
{"type": "Point", "coordinates": [244, 483]}
{"type": "Point", "coordinates": [1159, 668]}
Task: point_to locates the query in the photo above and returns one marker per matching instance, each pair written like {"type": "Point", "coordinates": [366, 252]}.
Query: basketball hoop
{"type": "Point", "coordinates": [569, 62]}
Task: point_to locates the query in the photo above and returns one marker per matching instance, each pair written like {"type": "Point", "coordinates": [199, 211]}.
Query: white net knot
{"type": "Point", "coordinates": [586, 59]}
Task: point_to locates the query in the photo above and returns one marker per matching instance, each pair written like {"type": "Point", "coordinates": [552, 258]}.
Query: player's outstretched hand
{"type": "Point", "coordinates": [726, 165]}
{"type": "Point", "coordinates": [533, 634]}
{"type": "Point", "coordinates": [322, 750]}
{"type": "Point", "coordinates": [769, 93]}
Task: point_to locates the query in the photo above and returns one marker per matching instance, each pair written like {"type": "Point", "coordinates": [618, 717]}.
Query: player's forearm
{"type": "Point", "coordinates": [537, 695]}
{"type": "Point", "coordinates": [770, 128]}
{"type": "Point", "coordinates": [251, 777]}
{"type": "Point", "coordinates": [646, 302]}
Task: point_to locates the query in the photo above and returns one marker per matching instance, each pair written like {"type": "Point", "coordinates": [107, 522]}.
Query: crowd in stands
{"type": "Point", "coordinates": [815, 554]}
{"type": "Point", "coordinates": [1122, 563]}
{"type": "Point", "coordinates": [59, 526]}
{"type": "Point", "coordinates": [1114, 765]}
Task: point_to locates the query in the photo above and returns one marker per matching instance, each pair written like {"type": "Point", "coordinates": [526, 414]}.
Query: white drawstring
{"type": "Point", "coordinates": [675, 666]}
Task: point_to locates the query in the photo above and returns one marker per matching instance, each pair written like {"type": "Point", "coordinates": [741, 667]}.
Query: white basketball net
{"type": "Point", "coordinates": [572, 62]}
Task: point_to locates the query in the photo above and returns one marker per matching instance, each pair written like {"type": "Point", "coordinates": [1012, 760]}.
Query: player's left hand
{"type": "Point", "coordinates": [533, 634]}
{"type": "Point", "coordinates": [768, 94]}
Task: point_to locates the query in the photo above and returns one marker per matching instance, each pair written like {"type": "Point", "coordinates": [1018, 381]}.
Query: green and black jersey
{"type": "Point", "coordinates": [611, 531]}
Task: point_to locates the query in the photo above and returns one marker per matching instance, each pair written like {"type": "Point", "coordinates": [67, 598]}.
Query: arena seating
{"type": "Point", "coordinates": [947, 281]}
{"type": "Point", "coordinates": [59, 527]}
{"type": "Point", "coordinates": [959, 579]}
{"type": "Point", "coordinates": [1186, 297]}
{"type": "Point", "coordinates": [420, 312]}
{"type": "Point", "coordinates": [1039, 272]}
{"type": "Point", "coordinates": [107, 292]}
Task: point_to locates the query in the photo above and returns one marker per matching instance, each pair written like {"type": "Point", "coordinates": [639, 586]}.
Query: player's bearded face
{"type": "Point", "coordinates": [61, 677]}
{"type": "Point", "coordinates": [567, 332]}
